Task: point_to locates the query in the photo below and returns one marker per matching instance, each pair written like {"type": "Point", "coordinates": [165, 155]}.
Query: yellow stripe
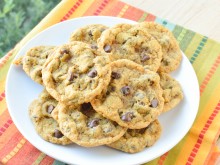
{"type": "Point", "coordinates": [14, 151]}
{"type": "Point", "coordinates": [81, 9]}
{"type": "Point", "coordinates": [123, 10]}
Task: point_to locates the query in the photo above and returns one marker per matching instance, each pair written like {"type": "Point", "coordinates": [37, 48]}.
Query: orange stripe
{"type": "Point", "coordinates": [136, 13]}
{"type": "Point", "coordinates": [14, 151]}
{"type": "Point", "coordinates": [202, 134]}
{"type": "Point", "coordinates": [115, 9]}
{"type": "Point", "coordinates": [123, 10]}
{"type": "Point", "coordinates": [5, 126]}
{"type": "Point", "coordinates": [4, 59]}
{"type": "Point", "coordinates": [209, 75]}
{"type": "Point", "coordinates": [9, 142]}
{"type": "Point", "coordinates": [31, 154]}
{"type": "Point", "coordinates": [4, 117]}
{"type": "Point", "coordinates": [101, 7]}
{"type": "Point", "coordinates": [150, 18]}
{"type": "Point", "coordinates": [72, 10]}
{"type": "Point", "coordinates": [2, 96]}
{"type": "Point", "coordinates": [162, 158]}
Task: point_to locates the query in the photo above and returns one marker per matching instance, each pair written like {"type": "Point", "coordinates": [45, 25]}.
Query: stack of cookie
{"type": "Point", "coordinates": [106, 86]}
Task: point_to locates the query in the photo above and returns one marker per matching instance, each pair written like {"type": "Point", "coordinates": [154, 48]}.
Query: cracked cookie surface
{"type": "Point", "coordinates": [76, 73]}
{"type": "Point", "coordinates": [172, 55]}
{"type": "Point", "coordinates": [133, 97]}
{"type": "Point", "coordinates": [172, 92]}
{"type": "Point", "coordinates": [84, 126]}
{"type": "Point", "coordinates": [135, 140]}
{"type": "Point", "coordinates": [132, 42]}
{"type": "Point", "coordinates": [46, 126]}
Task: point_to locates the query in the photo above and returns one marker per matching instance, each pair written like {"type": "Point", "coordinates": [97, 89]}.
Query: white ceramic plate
{"type": "Point", "coordinates": [21, 90]}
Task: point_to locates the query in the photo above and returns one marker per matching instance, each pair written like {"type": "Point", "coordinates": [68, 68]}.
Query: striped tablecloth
{"type": "Point", "coordinates": [197, 147]}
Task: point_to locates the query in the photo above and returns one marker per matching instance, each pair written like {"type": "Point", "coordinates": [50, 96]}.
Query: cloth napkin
{"type": "Point", "coordinates": [197, 147]}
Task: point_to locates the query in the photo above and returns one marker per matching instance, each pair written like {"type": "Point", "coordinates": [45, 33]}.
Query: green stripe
{"type": "Point", "coordinates": [186, 40]}
{"type": "Point", "coordinates": [176, 31]}
{"type": "Point", "coordinates": [143, 17]}
{"type": "Point", "coordinates": [198, 50]}
{"type": "Point", "coordinates": [39, 159]}
{"type": "Point", "coordinates": [183, 36]}
{"type": "Point", "coordinates": [57, 162]}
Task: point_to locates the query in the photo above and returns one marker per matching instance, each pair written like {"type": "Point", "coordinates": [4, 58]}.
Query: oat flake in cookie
{"type": "Point", "coordinates": [172, 92]}
{"type": "Point", "coordinates": [171, 52]}
{"type": "Point", "coordinates": [133, 97]}
{"type": "Point", "coordinates": [47, 127]}
{"type": "Point", "coordinates": [135, 140]}
{"type": "Point", "coordinates": [132, 42]}
{"type": "Point", "coordinates": [76, 73]}
{"type": "Point", "coordinates": [86, 127]}
{"type": "Point", "coordinates": [88, 34]}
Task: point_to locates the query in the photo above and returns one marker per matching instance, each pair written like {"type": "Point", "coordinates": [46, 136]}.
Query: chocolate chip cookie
{"type": "Point", "coordinates": [46, 126]}
{"type": "Point", "coordinates": [171, 52]}
{"type": "Point", "coordinates": [132, 42]}
{"type": "Point", "coordinates": [135, 140]}
{"type": "Point", "coordinates": [34, 60]}
{"type": "Point", "coordinates": [172, 92]}
{"type": "Point", "coordinates": [133, 97]}
{"type": "Point", "coordinates": [76, 73]}
{"type": "Point", "coordinates": [88, 34]}
{"type": "Point", "coordinates": [86, 127]}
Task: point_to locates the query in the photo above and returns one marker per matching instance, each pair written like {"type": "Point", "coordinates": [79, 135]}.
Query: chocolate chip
{"type": "Point", "coordinates": [141, 131]}
{"type": "Point", "coordinates": [57, 134]}
{"type": "Point", "coordinates": [154, 103]}
{"type": "Point", "coordinates": [144, 57]}
{"type": "Point", "coordinates": [115, 75]}
{"type": "Point", "coordinates": [92, 73]}
{"type": "Point", "coordinates": [126, 90]}
{"type": "Point", "coordinates": [142, 103]}
{"type": "Point", "coordinates": [127, 116]}
{"type": "Point", "coordinates": [86, 109]}
{"type": "Point", "coordinates": [86, 106]}
{"type": "Point", "coordinates": [107, 48]}
{"type": "Point", "coordinates": [72, 76]}
{"type": "Point", "coordinates": [111, 88]}
{"type": "Point", "coordinates": [50, 108]}
{"type": "Point", "coordinates": [64, 51]}
{"type": "Point", "coordinates": [94, 47]}
{"type": "Point", "coordinates": [93, 123]}
{"type": "Point", "coordinates": [90, 33]}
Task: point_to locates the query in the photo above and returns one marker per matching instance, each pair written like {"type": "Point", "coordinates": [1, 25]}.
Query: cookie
{"type": "Point", "coordinates": [76, 73]}
{"type": "Point", "coordinates": [46, 126]}
{"type": "Point", "coordinates": [172, 92]}
{"type": "Point", "coordinates": [135, 140]}
{"type": "Point", "coordinates": [18, 61]}
{"type": "Point", "coordinates": [86, 127]}
{"type": "Point", "coordinates": [125, 41]}
{"type": "Point", "coordinates": [133, 97]}
{"type": "Point", "coordinates": [34, 60]}
{"type": "Point", "coordinates": [171, 52]}
{"type": "Point", "coordinates": [88, 34]}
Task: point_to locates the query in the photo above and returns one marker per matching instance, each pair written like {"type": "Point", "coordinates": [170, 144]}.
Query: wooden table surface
{"type": "Point", "coordinates": [201, 16]}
